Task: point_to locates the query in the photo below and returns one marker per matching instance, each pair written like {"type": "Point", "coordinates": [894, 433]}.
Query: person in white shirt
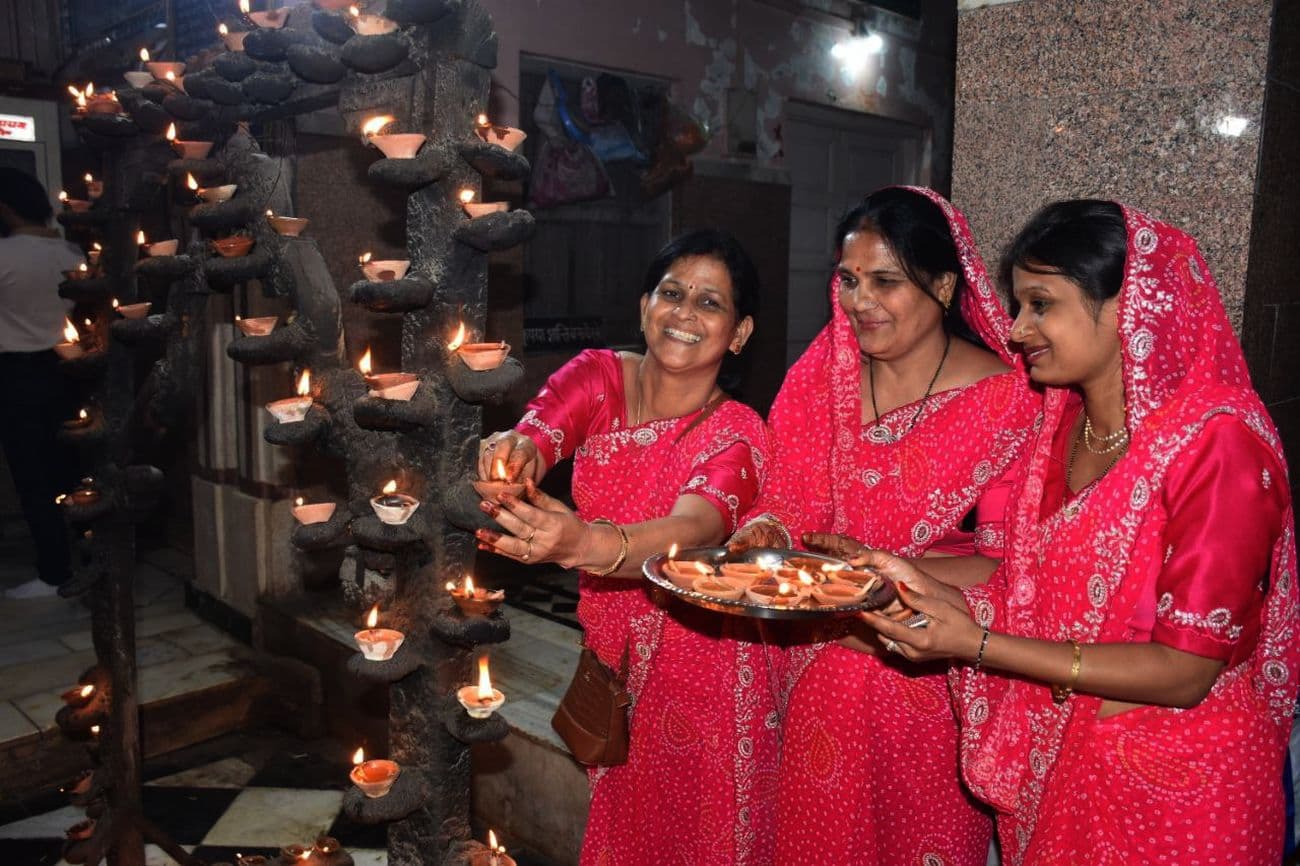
{"type": "Point", "coordinates": [32, 259]}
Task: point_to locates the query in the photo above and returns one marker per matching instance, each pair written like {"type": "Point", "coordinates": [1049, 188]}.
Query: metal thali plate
{"type": "Point", "coordinates": [880, 596]}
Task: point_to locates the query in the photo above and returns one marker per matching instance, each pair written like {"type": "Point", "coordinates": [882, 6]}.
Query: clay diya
{"type": "Point", "coordinates": [393, 508]}
{"type": "Point", "coordinates": [214, 194]}
{"type": "Point", "coordinates": [478, 209]}
{"type": "Point", "coordinates": [82, 272]}
{"type": "Point", "coordinates": [71, 348]}
{"type": "Point", "coordinates": [378, 644]}
{"type": "Point", "coordinates": [484, 356]}
{"type": "Point", "coordinates": [82, 420]}
{"type": "Point", "coordinates": [159, 69]}
{"type": "Point", "coordinates": [684, 572]}
{"type": "Point", "coordinates": [782, 594]}
{"type": "Point", "coordinates": [233, 247]}
{"type": "Point", "coordinates": [75, 205]}
{"type": "Point", "coordinates": [481, 701]}
{"type": "Point", "coordinates": [720, 587]}
{"type": "Point", "coordinates": [79, 696]}
{"type": "Point", "coordinates": [502, 136]}
{"type": "Point", "coordinates": [272, 19]}
{"type": "Point", "coordinates": [383, 270]}
{"type": "Point", "coordinates": [289, 227]}
{"type": "Point", "coordinates": [138, 79]}
{"type": "Point", "coordinates": [234, 41]}
{"type": "Point", "coordinates": [834, 594]}
{"type": "Point", "coordinates": [397, 145]}
{"type": "Point", "coordinates": [259, 326]}
{"type": "Point", "coordinates": [133, 311]}
{"type": "Point", "coordinates": [312, 512]}
{"type": "Point", "coordinates": [375, 777]}
{"type": "Point", "coordinates": [161, 248]}
{"type": "Point", "coordinates": [369, 24]}
{"type": "Point", "coordinates": [293, 409]}
{"type": "Point", "coordinates": [86, 494]}
{"type": "Point", "coordinates": [475, 600]}
{"type": "Point", "coordinates": [746, 571]}
{"type": "Point", "coordinates": [491, 488]}
{"type": "Point", "coordinates": [393, 386]}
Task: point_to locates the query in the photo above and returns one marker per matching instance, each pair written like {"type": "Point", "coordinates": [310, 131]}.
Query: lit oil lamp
{"type": "Point", "coordinates": [482, 700]}
{"type": "Point", "coordinates": [94, 188]}
{"type": "Point", "coordinates": [213, 194]}
{"type": "Point", "coordinates": [71, 347]}
{"type": "Point", "coordinates": [749, 572]}
{"type": "Point", "coordinates": [294, 854]}
{"type": "Point", "coordinates": [272, 19]}
{"type": "Point", "coordinates": [160, 248]}
{"type": "Point", "coordinates": [392, 507]}
{"type": "Point", "coordinates": [85, 494]}
{"type": "Point", "coordinates": [502, 136]}
{"type": "Point", "coordinates": [289, 227]}
{"type": "Point", "coordinates": [388, 386]}
{"type": "Point", "coordinates": [369, 24]}
{"type": "Point", "coordinates": [478, 356]}
{"type": "Point", "coordinates": [293, 409]}
{"type": "Point", "coordinates": [312, 512]}
{"type": "Point", "coordinates": [499, 483]}
{"type": "Point", "coordinates": [782, 594]}
{"type": "Point", "coordinates": [727, 588]}
{"type": "Point", "coordinates": [378, 644]}
{"type": "Point", "coordinates": [93, 254]}
{"type": "Point", "coordinates": [497, 853]}
{"type": "Point", "coordinates": [684, 573]}
{"type": "Point", "coordinates": [132, 311]}
{"type": "Point", "coordinates": [138, 78]}
{"type": "Point", "coordinates": [76, 205]}
{"type": "Point", "coordinates": [475, 600]}
{"type": "Point", "coordinates": [80, 272]}
{"type": "Point", "coordinates": [258, 326]}
{"type": "Point", "coordinates": [382, 270]}
{"type": "Point", "coordinates": [159, 68]}
{"type": "Point", "coordinates": [234, 41]}
{"type": "Point", "coordinates": [101, 103]}
{"type": "Point", "coordinates": [396, 145]}
{"type": "Point", "coordinates": [79, 96]}
{"type": "Point", "coordinates": [478, 209]}
{"type": "Point", "coordinates": [82, 420]}
{"type": "Point", "coordinates": [79, 696]}
{"type": "Point", "coordinates": [188, 149]}
{"type": "Point", "coordinates": [326, 846]}
{"type": "Point", "coordinates": [374, 777]}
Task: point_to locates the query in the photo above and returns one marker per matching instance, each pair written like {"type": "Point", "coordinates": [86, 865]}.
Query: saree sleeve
{"type": "Point", "coordinates": [571, 403]}
{"type": "Point", "coordinates": [1226, 500]}
{"type": "Point", "coordinates": [729, 478]}
{"type": "Point", "coordinates": [991, 511]}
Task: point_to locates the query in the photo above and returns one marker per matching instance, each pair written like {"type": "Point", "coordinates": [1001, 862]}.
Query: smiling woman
{"type": "Point", "coordinates": [661, 456]}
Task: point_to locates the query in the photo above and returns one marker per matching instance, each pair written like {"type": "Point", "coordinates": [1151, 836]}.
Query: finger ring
{"type": "Point", "coordinates": [918, 621]}
{"type": "Point", "coordinates": [529, 538]}
{"type": "Point", "coordinates": [891, 645]}
{"type": "Point", "coordinates": [528, 550]}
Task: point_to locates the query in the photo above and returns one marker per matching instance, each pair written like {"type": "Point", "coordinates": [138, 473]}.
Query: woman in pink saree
{"type": "Point", "coordinates": [660, 457]}
{"type": "Point", "coordinates": [891, 429]}
{"type": "Point", "coordinates": [1132, 667]}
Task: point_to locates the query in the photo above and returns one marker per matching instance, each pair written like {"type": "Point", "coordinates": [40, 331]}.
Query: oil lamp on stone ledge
{"type": "Point", "coordinates": [258, 326]}
{"type": "Point", "coordinates": [393, 508]}
{"type": "Point", "coordinates": [71, 347]}
{"type": "Point", "coordinates": [478, 209]}
{"type": "Point", "coordinates": [374, 777]}
{"type": "Point", "coordinates": [378, 644]}
{"type": "Point", "coordinates": [82, 420]}
{"type": "Point", "coordinates": [382, 270]}
{"type": "Point", "coordinates": [132, 311]}
{"type": "Point", "coordinates": [308, 513]}
{"type": "Point", "coordinates": [388, 386]}
{"type": "Point", "coordinates": [475, 600]}
{"type": "Point", "coordinates": [234, 40]}
{"type": "Point", "coordinates": [481, 701]}
{"type": "Point", "coordinates": [188, 149]}
{"type": "Point", "coordinates": [502, 136]}
{"type": "Point", "coordinates": [478, 356]}
{"type": "Point", "coordinates": [395, 145]}
{"type": "Point", "coordinates": [293, 409]}
{"type": "Point", "coordinates": [369, 24]}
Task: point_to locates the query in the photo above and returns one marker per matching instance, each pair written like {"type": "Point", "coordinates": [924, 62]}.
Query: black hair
{"type": "Point", "coordinates": [917, 231]}
{"type": "Point", "coordinates": [1083, 240]}
{"type": "Point", "coordinates": [714, 244]}
{"type": "Point", "coordinates": [24, 195]}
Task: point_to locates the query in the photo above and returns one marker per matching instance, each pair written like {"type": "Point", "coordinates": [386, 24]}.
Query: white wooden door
{"type": "Point", "coordinates": [834, 158]}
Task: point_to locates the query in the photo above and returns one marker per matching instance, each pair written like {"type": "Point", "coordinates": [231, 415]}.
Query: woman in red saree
{"type": "Point", "coordinates": [865, 448]}
{"type": "Point", "coordinates": [1133, 663]}
{"type": "Point", "coordinates": [660, 457]}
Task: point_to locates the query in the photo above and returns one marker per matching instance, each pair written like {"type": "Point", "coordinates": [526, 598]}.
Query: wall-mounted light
{"type": "Point", "coordinates": [1231, 125]}
{"type": "Point", "coordinates": [854, 53]}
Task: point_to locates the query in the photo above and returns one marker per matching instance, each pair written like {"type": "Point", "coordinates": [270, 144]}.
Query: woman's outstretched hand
{"type": "Point", "coordinates": [517, 453]}
{"type": "Point", "coordinates": [948, 630]}
{"type": "Point", "coordinates": [840, 546]}
{"type": "Point", "coordinates": [540, 528]}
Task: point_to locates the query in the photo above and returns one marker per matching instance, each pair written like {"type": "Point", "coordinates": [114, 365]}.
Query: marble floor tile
{"type": "Point", "coordinates": [40, 709]}
{"type": "Point", "coordinates": [14, 723]}
{"type": "Point", "coordinates": [199, 639]}
{"type": "Point", "coordinates": [49, 825]}
{"type": "Point", "coordinates": [190, 674]}
{"type": "Point", "coordinates": [32, 678]}
{"type": "Point", "coordinates": [226, 773]}
{"type": "Point", "coordinates": [153, 856]}
{"type": "Point", "coordinates": [368, 857]}
{"type": "Point", "coordinates": [30, 651]}
{"type": "Point", "coordinates": [275, 816]}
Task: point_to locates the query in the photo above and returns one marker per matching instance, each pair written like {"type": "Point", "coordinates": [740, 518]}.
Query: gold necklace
{"type": "Point", "coordinates": [1105, 444]}
{"type": "Point", "coordinates": [1074, 451]}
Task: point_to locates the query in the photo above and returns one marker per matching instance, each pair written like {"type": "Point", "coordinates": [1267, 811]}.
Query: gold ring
{"type": "Point", "coordinates": [528, 550]}
{"type": "Point", "coordinates": [529, 539]}
{"type": "Point", "coordinates": [891, 645]}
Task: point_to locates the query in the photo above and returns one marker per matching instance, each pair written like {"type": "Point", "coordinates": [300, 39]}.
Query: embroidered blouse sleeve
{"type": "Point", "coordinates": [1226, 500]}
{"type": "Point", "coordinates": [990, 513]}
{"type": "Point", "coordinates": [729, 477]}
{"type": "Point", "coordinates": [562, 414]}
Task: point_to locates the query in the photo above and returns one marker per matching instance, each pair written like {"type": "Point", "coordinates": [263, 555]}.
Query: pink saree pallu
{"type": "Point", "coordinates": [1187, 541]}
{"type": "Point", "coordinates": [868, 771]}
{"type": "Point", "coordinates": [698, 785]}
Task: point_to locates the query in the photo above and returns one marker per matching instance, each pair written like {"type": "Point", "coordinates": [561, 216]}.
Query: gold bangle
{"type": "Point", "coordinates": [1062, 692]}
{"type": "Point", "coordinates": [623, 544]}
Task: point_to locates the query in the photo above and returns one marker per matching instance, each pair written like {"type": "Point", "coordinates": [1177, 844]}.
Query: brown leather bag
{"type": "Point", "coordinates": [592, 716]}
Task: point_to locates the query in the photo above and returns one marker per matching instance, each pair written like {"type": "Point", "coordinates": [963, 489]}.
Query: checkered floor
{"type": "Point", "coordinates": [276, 792]}
{"type": "Point", "coordinates": [551, 594]}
